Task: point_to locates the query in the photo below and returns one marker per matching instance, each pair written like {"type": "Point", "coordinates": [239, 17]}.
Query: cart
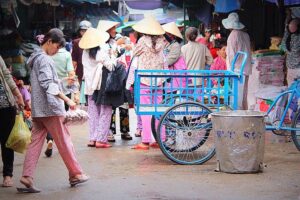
{"type": "Point", "coordinates": [181, 102]}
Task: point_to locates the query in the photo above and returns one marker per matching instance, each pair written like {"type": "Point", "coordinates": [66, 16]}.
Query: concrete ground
{"type": "Point", "coordinates": [123, 173]}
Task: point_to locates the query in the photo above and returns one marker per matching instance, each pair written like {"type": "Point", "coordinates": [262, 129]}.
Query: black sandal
{"type": "Point", "coordinates": [126, 136]}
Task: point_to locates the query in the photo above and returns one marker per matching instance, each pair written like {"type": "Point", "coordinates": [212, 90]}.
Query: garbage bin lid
{"type": "Point", "coordinates": [239, 113]}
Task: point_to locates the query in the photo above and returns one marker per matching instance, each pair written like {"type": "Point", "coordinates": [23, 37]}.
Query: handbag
{"type": "Point", "coordinates": [115, 79]}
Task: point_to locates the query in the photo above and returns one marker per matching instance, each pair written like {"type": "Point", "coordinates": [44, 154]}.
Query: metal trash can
{"type": "Point", "coordinates": [240, 140]}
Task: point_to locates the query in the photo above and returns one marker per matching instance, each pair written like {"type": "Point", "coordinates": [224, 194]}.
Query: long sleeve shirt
{"type": "Point", "coordinates": [92, 68]}
{"type": "Point", "coordinates": [45, 86]}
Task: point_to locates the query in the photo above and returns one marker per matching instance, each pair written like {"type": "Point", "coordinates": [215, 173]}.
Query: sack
{"type": "Point", "coordinates": [20, 136]}
{"type": "Point", "coordinates": [115, 79]}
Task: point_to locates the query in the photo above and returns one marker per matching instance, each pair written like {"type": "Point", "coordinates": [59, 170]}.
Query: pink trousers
{"type": "Point", "coordinates": [62, 139]}
{"type": "Point", "coordinates": [147, 98]}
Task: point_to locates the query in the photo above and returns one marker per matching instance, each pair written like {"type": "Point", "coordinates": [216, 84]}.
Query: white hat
{"type": "Point", "coordinates": [173, 29]}
{"type": "Point", "coordinates": [105, 25]}
{"type": "Point", "coordinates": [93, 38]}
{"type": "Point", "coordinates": [84, 25]}
{"type": "Point", "coordinates": [149, 25]}
{"type": "Point", "coordinates": [232, 22]}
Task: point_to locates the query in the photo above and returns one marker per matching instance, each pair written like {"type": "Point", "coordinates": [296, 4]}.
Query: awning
{"type": "Point", "coordinates": [287, 2]}
{"type": "Point", "coordinates": [51, 2]}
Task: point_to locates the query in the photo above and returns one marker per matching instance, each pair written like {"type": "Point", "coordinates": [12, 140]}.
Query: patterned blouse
{"type": "Point", "coordinates": [293, 56]}
{"type": "Point", "coordinates": [4, 103]}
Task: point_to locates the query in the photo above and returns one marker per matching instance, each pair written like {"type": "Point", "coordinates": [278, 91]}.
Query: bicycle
{"type": "Point", "coordinates": [279, 113]}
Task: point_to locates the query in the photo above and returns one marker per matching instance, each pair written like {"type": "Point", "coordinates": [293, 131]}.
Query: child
{"type": "Point", "coordinates": [220, 61]}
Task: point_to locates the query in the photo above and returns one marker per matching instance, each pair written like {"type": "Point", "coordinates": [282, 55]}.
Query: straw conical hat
{"type": "Point", "coordinates": [172, 29]}
{"type": "Point", "coordinates": [105, 25]}
{"type": "Point", "coordinates": [149, 25]}
{"type": "Point", "coordinates": [93, 38]}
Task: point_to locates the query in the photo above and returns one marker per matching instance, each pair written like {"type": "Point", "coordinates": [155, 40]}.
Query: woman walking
{"type": "Point", "coordinates": [8, 93]}
{"type": "Point", "coordinates": [48, 113]}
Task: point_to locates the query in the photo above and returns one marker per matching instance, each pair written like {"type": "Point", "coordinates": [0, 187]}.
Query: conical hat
{"type": "Point", "coordinates": [172, 29]}
{"type": "Point", "coordinates": [93, 38]}
{"type": "Point", "coordinates": [105, 25]}
{"type": "Point", "coordinates": [149, 25]}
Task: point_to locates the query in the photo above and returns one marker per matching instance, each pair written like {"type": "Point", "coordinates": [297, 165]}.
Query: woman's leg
{"type": "Point", "coordinates": [7, 119]}
{"type": "Point", "coordinates": [93, 112]}
{"type": "Point", "coordinates": [34, 148]}
{"type": "Point", "coordinates": [124, 123]}
{"type": "Point", "coordinates": [62, 139]}
{"type": "Point", "coordinates": [104, 123]}
{"type": "Point", "coordinates": [113, 121]}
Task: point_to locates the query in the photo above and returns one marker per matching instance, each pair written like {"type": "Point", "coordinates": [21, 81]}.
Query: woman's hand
{"type": "Point", "coordinates": [71, 104]}
{"type": "Point", "coordinates": [76, 98]}
{"type": "Point", "coordinates": [20, 102]}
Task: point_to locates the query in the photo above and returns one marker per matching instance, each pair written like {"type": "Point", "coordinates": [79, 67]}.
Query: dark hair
{"type": "Point", "coordinates": [154, 40]}
{"type": "Point", "coordinates": [191, 34]}
{"type": "Point", "coordinates": [220, 43]}
{"type": "Point", "coordinates": [56, 36]}
{"type": "Point", "coordinates": [93, 52]}
{"type": "Point", "coordinates": [288, 39]}
{"type": "Point", "coordinates": [169, 39]}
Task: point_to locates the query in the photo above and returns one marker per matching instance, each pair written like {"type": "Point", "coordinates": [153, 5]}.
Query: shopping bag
{"type": "Point", "coordinates": [82, 98]}
{"type": "Point", "coordinates": [20, 135]}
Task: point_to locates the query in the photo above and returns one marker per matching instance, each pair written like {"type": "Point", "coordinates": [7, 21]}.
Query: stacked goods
{"type": "Point", "coordinates": [270, 66]}
{"type": "Point", "coordinates": [12, 54]}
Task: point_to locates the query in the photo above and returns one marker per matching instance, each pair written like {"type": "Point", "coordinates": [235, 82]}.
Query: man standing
{"type": "Point", "coordinates": [238, 40]}
{"type": "Point", "coordinates": [77, 52]}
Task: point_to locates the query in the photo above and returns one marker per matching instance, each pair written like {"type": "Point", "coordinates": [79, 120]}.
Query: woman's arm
{"type": "Point", "coordinates": [45, 78]}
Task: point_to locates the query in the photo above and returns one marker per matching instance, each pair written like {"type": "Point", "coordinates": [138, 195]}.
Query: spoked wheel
{"type": "Point", "coordinates": [184, 134]}
{"type": "Point", "coordinates": [169, 101]}
{"type": "Point", "coordinates": [296, 134]}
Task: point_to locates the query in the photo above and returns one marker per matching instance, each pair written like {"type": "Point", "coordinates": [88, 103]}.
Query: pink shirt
{"type": "Point", "coordinates": [218, 64]}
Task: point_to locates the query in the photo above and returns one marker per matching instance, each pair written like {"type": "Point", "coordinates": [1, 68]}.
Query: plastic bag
{"type": "Point", "coordinates": [76, 117]}
{"type": "Point", "coordinates": [20, 136]}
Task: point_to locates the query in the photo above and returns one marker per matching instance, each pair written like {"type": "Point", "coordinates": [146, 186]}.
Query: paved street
{"type": "Point", "coordinates": [123, 173]}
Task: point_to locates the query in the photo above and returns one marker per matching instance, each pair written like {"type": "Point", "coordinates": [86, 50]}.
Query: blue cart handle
{"type": "Point", "coordinates": [245, 56]}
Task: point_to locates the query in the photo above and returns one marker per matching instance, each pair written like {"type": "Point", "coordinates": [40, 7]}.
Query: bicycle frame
{"type": "Point", "coordinates": [293, 91]}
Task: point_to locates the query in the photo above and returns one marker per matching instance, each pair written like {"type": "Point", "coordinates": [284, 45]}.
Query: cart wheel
{"type": "Point", "coordinates": [184, 134]}
{"type": "Point", "coordinates": [296, 134]}
{"type": "Point", "coordinates": [170, 101]}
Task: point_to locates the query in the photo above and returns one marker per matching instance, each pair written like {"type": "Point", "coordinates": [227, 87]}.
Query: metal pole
{"type": "Point", "coordinates": [184, 18]}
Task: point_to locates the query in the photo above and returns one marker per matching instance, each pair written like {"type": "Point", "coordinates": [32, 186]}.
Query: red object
{"type": "Point", "coordinates": [263, 106]}
{"type": "Point", "coordinates": [213, 52]}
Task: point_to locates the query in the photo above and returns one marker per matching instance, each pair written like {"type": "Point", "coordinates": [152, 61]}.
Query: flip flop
{"type": "Point", "coordinates": [140, 147]}
{"type": "Point", "coordinates": [77, 181]}
{"type": "Point", "coordinates": [28, 190]}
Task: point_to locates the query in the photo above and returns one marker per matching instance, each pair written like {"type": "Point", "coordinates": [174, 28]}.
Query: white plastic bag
{"type": "Point", "coordinates": [76, 117]}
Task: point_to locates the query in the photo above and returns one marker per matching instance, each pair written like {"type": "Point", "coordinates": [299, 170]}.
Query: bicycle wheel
{"type": "Point", "coordinates": [170, 101]}
{"type": "Point", "coordinates": [296, 134]}
{"type": "Point", "coordinates": [184, 134]}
